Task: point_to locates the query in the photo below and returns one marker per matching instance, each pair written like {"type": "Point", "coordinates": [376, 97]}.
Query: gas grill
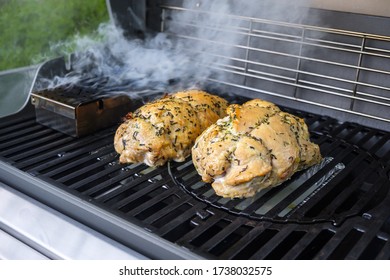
{"type": "Point", "coordinates": [336, 77]}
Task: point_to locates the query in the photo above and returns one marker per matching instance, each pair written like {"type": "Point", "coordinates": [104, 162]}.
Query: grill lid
{"type": "Point", "coordinates": [15, 89]}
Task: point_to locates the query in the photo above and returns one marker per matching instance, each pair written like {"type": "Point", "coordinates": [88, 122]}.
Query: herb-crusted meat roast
{"type": "Point", "coordinates": [166, 129]}
{"type": "Point", "coordinates": [255, 146]}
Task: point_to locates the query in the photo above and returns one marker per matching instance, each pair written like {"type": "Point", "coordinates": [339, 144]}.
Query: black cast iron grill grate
{"type": "Point", "coordinates": [357, 223]}
{"type": "Point", "coordinates": [341, 186]}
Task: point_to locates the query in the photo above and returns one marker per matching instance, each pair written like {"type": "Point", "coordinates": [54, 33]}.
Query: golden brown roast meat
{"type": "Point", "coordinates": [166, 129]}
{"type": "Point", "coordinates": [255, 146]}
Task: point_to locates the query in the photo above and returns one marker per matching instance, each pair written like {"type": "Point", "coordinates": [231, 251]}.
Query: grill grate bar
{"type": "Point", "coordinates": [348, 243]}
{"type": "Point", "coordinates": [364, 202]}
{"type": "Point", "coordinates": [69, 161]}
{"type": "Point", "coordinates": [337, 246]}
{"type": "Point", "coordinates": [310, 203]}
{"type": "Point", "coordinates": [30, 145]}
{"type": "Point", "coordinates": [143, 188]}
{"type": "Point", "coordinates": [182, 218]}
{"type": "Point", "coordinates": [385, 252]}
{"type": "Point", "coordinates": [201, 228]}
{"type": "Point", "coordinates": [379, 144]}
{"type": "Point", "coordinates": [128, 185]}
{"type": "Point", "coordinates": [26, 139]}
{"type": "Point", "coordinates": [267, 249]}
{"type": "Point", "coordinates": [366, 138]}
{"type": "Point", "coordinates": [352, 133]}
{"type": "Point", "coordinates": [240, 244]}
{"type": "Point", "coordinates": [373, 141]}
{"type": "Point", "coordinates": [319, 123]}
{"type": "Point", "coordinates": [124, 174]}
{"type": "Point", "coordinates": [386, 160]}
{"type": "Point", "coordinates": [311, 244]}
{"type": "Point", "coordinates": [283, 204]}
{"type": "Point", "coordinates": [111, 168]}
{"type": "Point", "coordinates": [301, 190]}
{"type": "Point", "coordinates": [68, 156]}
{"type": "Point", "coordinates": [338, 200]}
{"type": "Point", "coordinates": [213, 198]}
{"type": "Point", "coordinates": [16, 134]}
{"type": "Point", "coordinates": [16, 125]}
{"type": "Point", "coordinates": [251, 242]}
{"type": "Point", "coordinates": [152, 202]}
{"type": "Point", "coordinates": [167, 210]}
{"type": "Point", "coordinates": [364, 241]}
{"type": "Point", "coordinates": [42, 148]}
{"type": "Point", "coordinates": [222, 235]}
{"type": "Point", "coordinates": [306, 197]}
{"type": "Point", "coordinates": [125, 177]}
{"type": "Point", "coordinates": [140, 197]}
{"type": "Point", "coordinates": [340, 129]}
{"type": "Point", "coordinates": [107, 158]}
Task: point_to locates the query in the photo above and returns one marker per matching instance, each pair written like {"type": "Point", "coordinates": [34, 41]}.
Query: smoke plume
{"type": "Point", "coordinates": [196, 41]}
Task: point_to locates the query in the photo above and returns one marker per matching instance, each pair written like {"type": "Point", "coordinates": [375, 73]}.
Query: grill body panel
{"type": "Point", "coordinates": [336, 77]}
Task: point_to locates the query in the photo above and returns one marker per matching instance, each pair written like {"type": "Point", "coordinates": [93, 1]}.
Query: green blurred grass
{"type": "Point", "coordinates": [29, 28]}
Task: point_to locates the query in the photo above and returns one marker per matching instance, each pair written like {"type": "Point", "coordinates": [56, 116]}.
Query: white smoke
{"type": "Point", "coordinates": [153, 63]}
{"type": "Point", "coordinates": [195, 41]}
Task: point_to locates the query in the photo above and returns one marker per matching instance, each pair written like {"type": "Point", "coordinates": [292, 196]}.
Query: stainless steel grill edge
{"type": "Point", "coordinates": [334, 76]}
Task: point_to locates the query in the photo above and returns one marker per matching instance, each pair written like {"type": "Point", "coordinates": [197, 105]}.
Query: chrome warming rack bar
{"type": "Point", "coordinates": [328, 68]}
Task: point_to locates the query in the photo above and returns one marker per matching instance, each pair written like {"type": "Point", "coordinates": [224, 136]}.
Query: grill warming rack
{"type": "Point", "coordinates": [328, 68]}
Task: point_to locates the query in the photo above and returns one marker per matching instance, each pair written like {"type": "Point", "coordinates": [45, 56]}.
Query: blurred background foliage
{"type": "Point", "coordinates": [30, 29]}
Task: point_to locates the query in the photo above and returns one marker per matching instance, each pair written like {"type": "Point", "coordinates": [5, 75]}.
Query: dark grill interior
{"type": "Point", "coordinates": [345, 217]}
